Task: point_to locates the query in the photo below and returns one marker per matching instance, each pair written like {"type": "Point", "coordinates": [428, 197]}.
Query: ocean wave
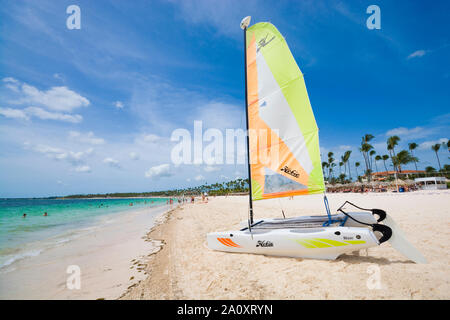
{"type": "Point", "coordinates": [32, 228]}
{"type": "Point", "coordinates": [20, 256]}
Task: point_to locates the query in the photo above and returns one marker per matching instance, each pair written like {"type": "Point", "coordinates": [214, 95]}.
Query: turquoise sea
{"type": "Point", "coordinates": [64, 218]}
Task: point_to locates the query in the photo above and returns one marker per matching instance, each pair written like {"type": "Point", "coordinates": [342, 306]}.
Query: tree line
{"type": "Point", "coordinates": [219, 189]}
{"type": "Point", "coordinates": [372, 159]}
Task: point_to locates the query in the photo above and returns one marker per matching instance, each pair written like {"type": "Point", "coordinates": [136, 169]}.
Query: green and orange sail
{"type": "Point", "coordinates": [285, 158]}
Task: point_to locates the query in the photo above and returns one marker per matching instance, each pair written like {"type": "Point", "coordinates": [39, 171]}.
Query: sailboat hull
{"type": "Point", "coordinates": [314, 243]}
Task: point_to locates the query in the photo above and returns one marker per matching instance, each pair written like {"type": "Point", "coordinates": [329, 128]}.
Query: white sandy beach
{"type": "Point", "coordinates": [186, 269]}
{"type": "Point", "coordinates": [111, 256]}
{"type": "Point", "coordinates": [146, 254]}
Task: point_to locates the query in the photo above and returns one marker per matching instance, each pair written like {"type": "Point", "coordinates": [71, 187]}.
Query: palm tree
{"type": "Point", "coordinates": [365, 148]}
{"type": "Point", "coordinates": [377, 158]}
{"type": "Point", "coordinates": [367, 137]}
{"type": "Point", "coordinates": [330, 163]}
{"type": "Point", "coordinates": [412, 146]}
{"type": "Point", "coordinates": [436, 148]}
{"type": "Point", "coordinates": [331, 174]}
{"type": "Point", "coordinates": [346, 158]}
{"type": "Point", "coordinates": [391, 143]}
{"type": "Point", "coordinates": [403, 158]}
{"type": "Point", "coordinates": [384, 158]}
{"type": "Point", "coordinates": [430, 169]}
{"type": "Point", "coordinates": [446, 169]}
{"type": "Point", "coordinates": [357, 164]}
{"type": "Point", "coordinates": [341, 163]}
{"type": "Point", "coordinates": [371, 154]}
{"type": "Point", "coordinates": [324, 166]}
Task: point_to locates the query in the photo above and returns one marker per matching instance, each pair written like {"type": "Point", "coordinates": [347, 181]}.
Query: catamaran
{"type": "Point", "coordinates": [278, 105]}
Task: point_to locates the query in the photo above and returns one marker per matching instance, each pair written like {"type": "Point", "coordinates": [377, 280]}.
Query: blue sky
{"type": "Point", "coordinates": [92, 110]}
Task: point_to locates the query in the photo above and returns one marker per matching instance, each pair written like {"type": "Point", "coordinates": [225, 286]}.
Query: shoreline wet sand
{"type": "Point", "coordinates": [109, 256]}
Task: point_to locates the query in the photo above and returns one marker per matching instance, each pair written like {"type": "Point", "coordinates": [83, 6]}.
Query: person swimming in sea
{"type": "Point", "coordinates": [24, 215]}
{"type": "Point", "coordinates": [45, 214]}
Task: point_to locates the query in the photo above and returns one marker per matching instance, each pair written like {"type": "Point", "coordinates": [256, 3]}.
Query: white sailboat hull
{"type": "Point", "coordinates": [315, 243]}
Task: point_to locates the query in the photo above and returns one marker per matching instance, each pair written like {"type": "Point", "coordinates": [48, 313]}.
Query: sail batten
{"type": "Point", "coordinates": [285, 158]}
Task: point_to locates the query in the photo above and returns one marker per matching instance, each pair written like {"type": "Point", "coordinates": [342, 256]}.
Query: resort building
{"type": "Point", "coordinates": [405, 174]}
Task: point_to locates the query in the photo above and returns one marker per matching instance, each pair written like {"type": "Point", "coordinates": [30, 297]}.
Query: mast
{"type": "Point", "coordinates": [244, 24]}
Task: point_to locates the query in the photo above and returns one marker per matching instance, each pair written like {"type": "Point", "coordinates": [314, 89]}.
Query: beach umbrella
{"type": "Point", "coordinates": [399, 182]}
{"type": "Point", "coordinates": [357, 184]}
{"type": "Point", "coordinates": [409, 181]}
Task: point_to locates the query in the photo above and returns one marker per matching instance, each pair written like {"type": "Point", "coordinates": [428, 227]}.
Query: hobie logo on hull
{"type": "Point", "coordinates": [264, 243]}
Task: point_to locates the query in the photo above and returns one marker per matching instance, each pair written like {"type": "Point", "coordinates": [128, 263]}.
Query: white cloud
{"type": "Point", "coordinates": [112, 162]}
{"type": "Point", "coordinates": [417, 54]}
{"type": "Point", "coordinates": [56, 98]}
{"type": "Point", "coordinates": [199, 177]}
{"type": "Point", "coordinates": [58, 76]}
{"type": "Point", "coordinates": [119, 104]}
{"type": "Point", "coordinates": [11, 84]}
{"type": "Point", "coordinates": [344, 148]}
{"type": "Point", "coordinates": [46, 115]}
{"type": "Point", "coordinates": [60, 99]}
{"type": "Point", "coordinates": [10, 80]}
{"type": "Point", "coordinates": [74, 158]}
{"type": "Point", "coordinates": [13, 113]}
{"type": "Point", "coordinates": [39, 113]}
{"type": "Point", "coordinates": [147, 139]}
{"type": "Point", "coordinates": [150, 138]}
{"type": "Point", "coordinates": [46, 149]}
{"type": "Point", "coordinates": [88, 138]}
{"type": "Point", "coordinates": [413, 133]}
{"type": "Point", "coordinates": [162, 170]}
{"type": "Point", "coordinates": [403, 131]}
{"type": "Point", "coordinates": [211, 169]}
{"type": "Point", "coordinates": [426, 145]}
{"type": "Point", "coordinates": [134, 156]}
{"type": "Point", "coordinates": [85, 169]}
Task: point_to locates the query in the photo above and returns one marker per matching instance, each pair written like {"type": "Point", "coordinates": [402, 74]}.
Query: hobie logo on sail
{"type": "Point", "coordinates": [263, 42]}
{"type": "Point", "coordinates": [291, 172]}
